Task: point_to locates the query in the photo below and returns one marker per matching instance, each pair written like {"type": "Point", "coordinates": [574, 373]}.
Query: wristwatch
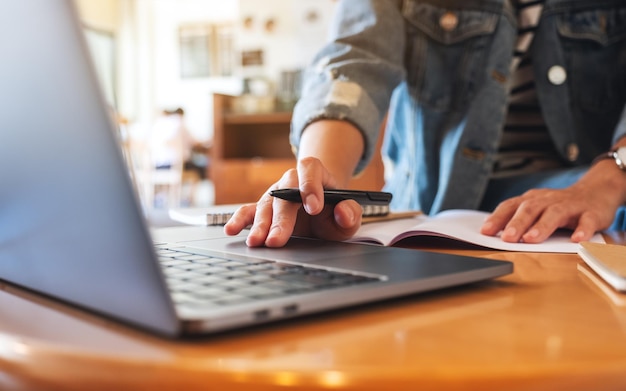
{"type": "Point", "coordinates": [619, 155]}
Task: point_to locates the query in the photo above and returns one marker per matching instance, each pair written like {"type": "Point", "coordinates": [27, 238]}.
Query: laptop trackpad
{"type": "Point", "coordinates": [296, 250]}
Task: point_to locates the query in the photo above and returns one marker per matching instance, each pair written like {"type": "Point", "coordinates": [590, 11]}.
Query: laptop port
{"type": "Point", "coordinates": [261, 315]}
{"type": "Point", "coordinates": [291, 309]}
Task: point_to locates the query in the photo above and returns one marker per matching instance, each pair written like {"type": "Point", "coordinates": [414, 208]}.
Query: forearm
{"type": "Point", "coordinates": [337, 144]}
{"type": "Point", "coordinates": [353, 77]}
{"type": "Point", "coordinates": [605, 173]}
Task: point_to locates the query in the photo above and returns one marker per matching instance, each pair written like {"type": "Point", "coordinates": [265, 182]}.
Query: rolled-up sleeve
{"type": "Point", "coordinates": [353, 76]}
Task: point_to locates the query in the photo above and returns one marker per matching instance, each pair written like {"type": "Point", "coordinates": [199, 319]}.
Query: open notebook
{"type": "Point", "coordinates": [459, 225]}
{"type": "Point", "coordinates": [71, 226]}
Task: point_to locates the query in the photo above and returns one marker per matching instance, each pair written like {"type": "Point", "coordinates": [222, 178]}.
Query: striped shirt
{"type": "Point", "coordinates": [526, 146]}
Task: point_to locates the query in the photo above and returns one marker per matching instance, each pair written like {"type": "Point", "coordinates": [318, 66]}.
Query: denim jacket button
{"type": "Point", "coordinates": [557, 75]}
{"type": "Point", "coordinates": [572, 152]}
{"type": "Point", "coordinates": [448, 21]}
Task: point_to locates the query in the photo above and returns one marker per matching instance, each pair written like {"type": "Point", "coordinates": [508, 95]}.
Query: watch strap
{"type": "Point", "coordinates": [602, 156]}
{"type": "Point", "coordinates": [613, 154]}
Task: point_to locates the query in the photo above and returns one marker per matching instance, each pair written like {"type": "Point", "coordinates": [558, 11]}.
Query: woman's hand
{"type": "Point", "coordinates": [273, 221]}
{"type": "Point", "coordinates": [586, 207]}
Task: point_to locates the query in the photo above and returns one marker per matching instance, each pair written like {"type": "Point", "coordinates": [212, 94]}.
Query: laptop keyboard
{"type": "Point", "coordinates": [201, 280]}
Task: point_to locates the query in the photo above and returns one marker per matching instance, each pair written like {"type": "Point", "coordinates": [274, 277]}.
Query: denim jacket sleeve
{"type": "Point", "coordinates": [353, 76]}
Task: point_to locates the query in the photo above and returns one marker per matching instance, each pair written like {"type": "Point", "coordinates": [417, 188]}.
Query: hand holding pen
{"type": "Point", "coordinates": [273, 221]}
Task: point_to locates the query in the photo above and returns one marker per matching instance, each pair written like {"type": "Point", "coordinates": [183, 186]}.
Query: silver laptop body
{"type": "Point", "coordinates": [71, 226]}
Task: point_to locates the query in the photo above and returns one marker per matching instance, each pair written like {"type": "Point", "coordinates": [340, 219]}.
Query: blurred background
{"type": "Point", "coordinates": [202, 90]}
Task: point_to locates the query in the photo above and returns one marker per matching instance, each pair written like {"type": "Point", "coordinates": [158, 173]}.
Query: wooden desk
{"type": "Point", "coordinates": [548, 326]}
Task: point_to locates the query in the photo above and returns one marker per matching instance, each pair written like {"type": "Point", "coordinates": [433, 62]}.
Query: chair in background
{"type": "Point", "coordinates": [158, 187]}
{"type": "Point", "coordinates": [159, 159]}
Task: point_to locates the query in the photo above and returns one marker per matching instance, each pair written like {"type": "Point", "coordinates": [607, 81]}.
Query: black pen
{"type": "Point", "coordinates": [374, 203]}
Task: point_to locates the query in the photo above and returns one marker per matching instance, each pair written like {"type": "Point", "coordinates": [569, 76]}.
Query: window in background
{"type": "Point", "coordinates": [206, 50]}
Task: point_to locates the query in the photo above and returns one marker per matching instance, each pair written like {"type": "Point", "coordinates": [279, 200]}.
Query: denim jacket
{"type": "Point", "coordinates": [439, 70]}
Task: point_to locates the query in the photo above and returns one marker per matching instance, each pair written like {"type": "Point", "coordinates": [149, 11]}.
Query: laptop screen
{"type": "Point", "coordinates": [69, 219]}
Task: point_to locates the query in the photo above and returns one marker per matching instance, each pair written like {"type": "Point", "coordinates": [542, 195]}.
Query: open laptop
{"type": "Point", "coordinates": [71, 226]}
